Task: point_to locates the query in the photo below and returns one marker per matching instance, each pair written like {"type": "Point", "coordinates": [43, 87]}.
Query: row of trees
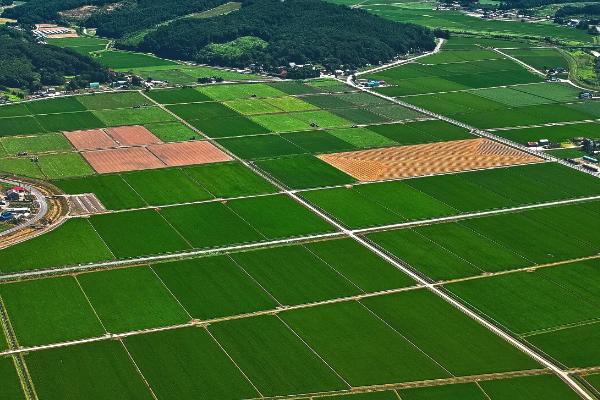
{"type": "Point", "coordinates": [298, 31]}
{"type": "Point", "coordinates": [28, 65]}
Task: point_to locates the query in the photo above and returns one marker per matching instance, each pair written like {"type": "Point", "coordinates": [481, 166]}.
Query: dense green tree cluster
{"type": "Point", "coordinates": [141, 14]}
{"type": "Point", "coordinates": [587, 11]}
{"type": "Point", "coordinates": [36, 11]}
{"type": "Point", "coordinates": [28, 65]}
{"type": "Point", "coordinates": [525, 4]}
{"type": "Point", "coordinates": [299, 31]}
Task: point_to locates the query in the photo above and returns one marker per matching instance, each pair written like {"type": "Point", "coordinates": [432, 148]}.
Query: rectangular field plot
{"type": "Point", "coordinates": [132, 116]}
{"type": "Point", "coordinates": [210, 225]}
{"type": "Point", "coordinates": [100, 370]}
{"type": "Point", "coordinates": [21, 167]}
{"type": "Point", "coordinates": [172, 131]}
{"type": "Point", "coordinates": [426, 159]}
{"type": "Point", "coordinates": [49, 311]}
{"type": "Point", "coordinates": [55, 106]}
{"type": "Point", "coordinates": [240, 91]}
{"type": "Point", "coordinates": [9, 380]}
{"type": "Point", "coordinates": [252, 106]}
{"type": "Point", "coordinates": [131, 299]}
{"type": "Point", "coordinates": [542, 59]}
{"type": "Point", "coordinates": [112, 191]}
{"type": "Point", "coordinates": [188, 153]}
{"type": "Point", "coordinates": [361, 347]}
{"type": "Point", "coordinates": [126, 60]}
{"type": "Point", "coordinates": [454, 340]}
{"type": "Point", "coordinates": [90, 139]}
{"type": "Point", "coordinates": [279, 216]}
{"type": "Point", "coordinates": [304, 171]}
{"type": "Point", "coordinates": [187, 363]}
{"type": "Point", "coordinates": [293, 275]}
{"type": "Point", "coordinates": [362, 137]}
{"type": "Point", "coordinates": [69, 122]}
{"type": "Point", "coordinates": [269, 354]}
{"type": "Point", "coordinates": [525, 302]}
{"type": "Point", "coordinates": [122, 159]}
{"type": "Point", "coordinates": [25, 125]}
{"type": "Point", "coordinates": [421, 132]}
{"type": "Point", "coordinates": [264, 146]}
{"type": "Point", "coordinates": [74, 242]}
{"type": "Point", "coordinates": [228, 126]}
{"type": "Point", "coordinates": [462, 391]}
{"type": "Point", "coordinates": [64, 165]}
{"type": "Point", "coordinates": [14, 110]}
{"type": "Point", "coordinates": [138, 233]}
{"type": "Point", "coordinates": [167, 186]}
{"type": "Point", "coordinates": [230, 179]}
{"type": "Point", "coordinates": [574, 346]}
{"type": "Point", "coordinates": [202, 111]}
{"type": "Point", "coordinates": [318, 141]}
{"type": "Point", "coordinates": [213, 287]}
{"type": "Point", "coordinates": [35, 144]}
{"type": "Point", "coordinates": [175, 96]}
{"type": "Point", "coordinates": [542, 387]}
{"type": "Point", "coordinates": [108, 101]}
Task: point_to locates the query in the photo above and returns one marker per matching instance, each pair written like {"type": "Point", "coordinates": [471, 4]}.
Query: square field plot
{"type": "Point", "coordinates": [188, 153]}
{"type": "Point", "coordinates": [263, 146]}
{"type": "Point", "coordinates": [69, 122]}
{"type": "Point", "coordinates": [133, 116]}
{"type": "Point", "coordinates": [100, 370]}
{"type": "Point", "coordinates": [125, 159]}
{"type": "Point", "coordinates": [104, 101]}
{"type": "Point", "coordinates": [132, 135]}
{"type": "Point", "coordinates": [174, 96]}
{"type": "Point", "coordinates": [426, 159]}
{"type": "Point", "coordinates": [90, 140]}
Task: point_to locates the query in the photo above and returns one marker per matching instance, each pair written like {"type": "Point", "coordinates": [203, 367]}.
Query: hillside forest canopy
{"type": "Point", "coordinates": [264, 33]}
{"type": "Point", "coordinates": [298, 31]}
{"type": "Point", "coordinates": [25, 64]}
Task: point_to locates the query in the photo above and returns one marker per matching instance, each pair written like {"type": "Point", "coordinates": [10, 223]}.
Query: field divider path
{"type": "Point", "coordinates": [18, 359]}
{"type": "Point", "coordinates": [439, 291]}
{"type": "Point", "coordinates": [102, 265]}
{"type": "Point", "coordinates": [438, 47]}
{"type": "Point", "coordinates": [529, 67]}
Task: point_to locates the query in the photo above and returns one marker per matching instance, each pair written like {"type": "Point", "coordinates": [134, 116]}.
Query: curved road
{"type": "Point", "coordinates": [40, 199]}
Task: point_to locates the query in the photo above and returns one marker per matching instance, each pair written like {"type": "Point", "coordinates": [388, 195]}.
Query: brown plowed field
{"type": "Point", "coordinates": [90, 140]}
{"type": "Point", "coordinates": [188, 153]}
{"type": "Point", "coordinates": [135, 135]}
{"type": "Point", "coordinates": [122, 159]}
{"type": "Point", "coordinates": [426, 159]}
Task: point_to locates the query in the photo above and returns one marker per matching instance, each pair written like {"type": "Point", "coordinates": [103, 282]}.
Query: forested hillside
{"type": "Point", "coordinates": [142, 14]}
{"type": "Point", "coordinates": [28, 65]}
{"type": "Point", "coordinates": [35, 11]}
{"type": "Point", "coordinates": [297, 31]}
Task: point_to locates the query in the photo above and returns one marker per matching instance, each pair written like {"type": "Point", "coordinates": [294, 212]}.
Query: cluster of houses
{"type": "Point", "coordinates": [15, 204]}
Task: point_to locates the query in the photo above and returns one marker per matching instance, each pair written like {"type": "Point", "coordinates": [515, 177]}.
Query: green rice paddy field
{"type": "Point", "coordinates": [228, 280]}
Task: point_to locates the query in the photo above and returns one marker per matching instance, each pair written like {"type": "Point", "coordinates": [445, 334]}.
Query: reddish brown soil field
{"type": "Point", "coordinates": [123, 159]}
{"type": "Point", "coordinates": [90, 140]}
{"type": "Point", "coordinates": [426, 159]}
{"type": "Point", "coordinates": [132, 135]}
{"type": "Point", "coordinates": [188, 153]}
